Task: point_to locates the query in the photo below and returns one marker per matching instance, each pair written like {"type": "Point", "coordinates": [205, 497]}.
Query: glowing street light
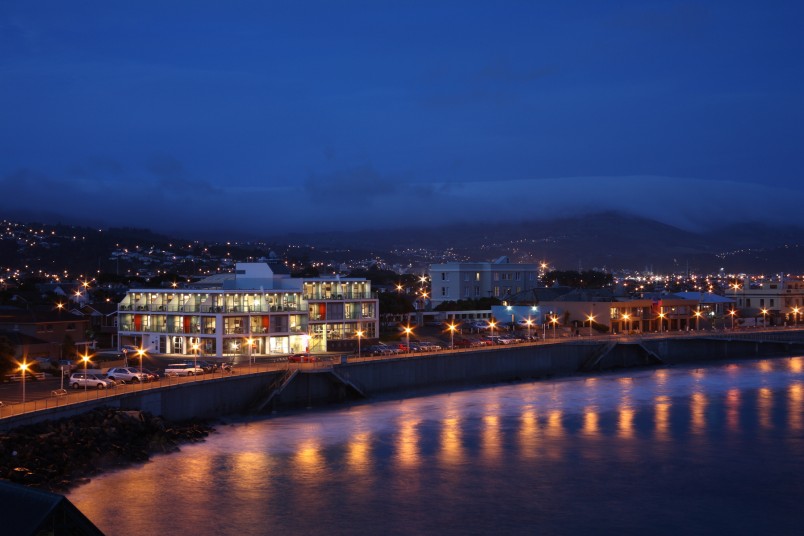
{"type": "Point", "coordinates": [529, 323]}
{"type": "Point", "coordinates": [764, 320]}
{"type": "Point", "coordinates": [627, 319]}
{"type": "Point", "coordinates": [23, 368]}
{"type": "Point", "coordinates": [698, 320]}
{"type": "Point", "coordinates": [492, 323]}
{"type": "Point", "coordinates": [408, 330]}
{"type": "Point", "coordinates": [452, 327]}
{"type": "Point", "coordinates": [733, 312]}
{"type": "Point", "coordinates": [359, 336]}
{"type": "Point", "coordinates": [141, 354]}
{"type": "Point", "coordinates": [795, 317]}
{"type": "Point", "coordinates": [661, 321]}
{"type": "Point", "coordinates": [554, 322]}
{"type": "Point", "coordinates": [591, 319]}
{"type": "Point", "coordinates": [85, 359]}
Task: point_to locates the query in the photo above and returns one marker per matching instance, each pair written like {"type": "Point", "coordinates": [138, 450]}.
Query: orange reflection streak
{"type": "Point", "coordinates": [554, 430]}
{"type": "Point", "coordinates": [359, 455]}
{"type": "Point", "coordinates": [766, 366]}
{"type": "Point", "coordinates": [796, 364]}
{"type": "Point", "coordinates": [661, 377]}
{"type": "Point", "coordinates": [662, 416]}
{"type": "Point", "coordinates": [733, 410]}
{"type": "Point", "coordinates": [625, 422]}
{"type": "Point", "coordinates": [408, 446]}
{"type": "Point", "coordinates": [697, 412]}
{"type": "Point", "coordinates": [590, 421]}
{"type": "Point", "coordinates": [451, 449]}
{"type": "Point", "coordinates": [491, 437]}
{"type": "Point", "coordinates": [528, 432]}
{"type": "Point", "coordinates": [765, 405]}
{"type": "Point", "coordinates": [307, 458]}
{"type": "Point", "coordinates": [795, 395]}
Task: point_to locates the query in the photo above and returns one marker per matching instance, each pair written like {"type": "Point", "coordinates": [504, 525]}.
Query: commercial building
{"type": "Point", "coordinates": [258, 310]}
{"type": "Point", "coordinates": [501, 278]}
{"type": "Point", "coordinates": [781, 299]}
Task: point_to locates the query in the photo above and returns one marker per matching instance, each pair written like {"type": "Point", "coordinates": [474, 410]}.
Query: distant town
{"type": "Point", "coordinates": [64, 289]}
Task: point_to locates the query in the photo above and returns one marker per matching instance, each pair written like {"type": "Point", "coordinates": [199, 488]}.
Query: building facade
{"type": "Point", "coordinates": [257, 310]}
{"type": "Point", "coordinates": [473, 280]}
{"type": "Point", "coordinates": [781, 299]}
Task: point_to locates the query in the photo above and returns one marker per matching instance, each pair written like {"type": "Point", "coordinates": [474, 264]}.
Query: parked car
{"type": "Point", "coordinates": [90, 379]}
{"type": "Point", "coordinates": [302, 358]}
{"type": "Point", "coordinates": [183, 369]}
{"type": "Point", "coordinates": [207, 366]}
{"type": "Point", "coordinates": [153, 375]}
{"type": "Point", "coordinates": [462, 343]}
{"type": "Point", "coordinates": [126, 375]}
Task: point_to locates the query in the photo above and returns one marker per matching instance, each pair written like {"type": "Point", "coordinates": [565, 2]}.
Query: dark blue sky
{"type": "Point", "coordinates": [281, 116]}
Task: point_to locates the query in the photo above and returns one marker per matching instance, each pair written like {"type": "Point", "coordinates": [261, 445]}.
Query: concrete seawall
{"type": "Point", "coordinates": [317, 386]}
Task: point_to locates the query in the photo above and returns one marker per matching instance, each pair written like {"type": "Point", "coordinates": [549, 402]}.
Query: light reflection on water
{"type": "Point", "coordinates": [671, 451]}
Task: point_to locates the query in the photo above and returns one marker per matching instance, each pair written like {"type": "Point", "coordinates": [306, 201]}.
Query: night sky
{"type": "Point", "coordinates": [267, 117]}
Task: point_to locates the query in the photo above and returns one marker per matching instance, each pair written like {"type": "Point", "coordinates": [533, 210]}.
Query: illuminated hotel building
{"type": "Point", "coordinates": [260, 303]}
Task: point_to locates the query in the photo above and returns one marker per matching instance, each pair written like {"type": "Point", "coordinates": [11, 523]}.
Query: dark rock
{"type": "Point", "coordinates": [58, 455]}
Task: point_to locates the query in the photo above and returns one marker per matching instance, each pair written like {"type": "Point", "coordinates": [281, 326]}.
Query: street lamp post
{"type": "Point", "coordinates": [698, 320]}
{"type": "Point", "coordinates": [591, 319]}
{"type": "Point", "coordinates": [627, 319]}
{"type": "Point", "coordinates": [359, 336]}
{"type": "Point", "coordinates": [492, 323]}
{"type": "Point", "coordinates": [141, 354]}
{"type": "Point", "coordinates": [795, 315]}
{"type": "Point", "coordinates": [85, 358]}
{"type": "Point", "coordinates": [733, 312]}
{"type": "Point", "coordinates": [554, 321]}
{"type": "Point", "coordinates": [408, 329]}
{"type": "Point", "coordinates": [195, 358]}
{"type": "Point", "coordinates": [764, 319]}
{"type": "Point", "coordinates": [452, 327]}
{"type": "Point", "coordinates": [661, 322]}
{"type": "Point", "coordinates": [529, 323]}
{"type": "Point", "coordinates": [24, 369]}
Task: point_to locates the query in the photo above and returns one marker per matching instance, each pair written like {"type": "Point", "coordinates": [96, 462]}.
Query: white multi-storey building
{"type": "Point", "coordinates": [781, 298]}
{"type": "Point", "coordinates": [256, 310]}
{"type": "Point", "coordinates": [455, 281]}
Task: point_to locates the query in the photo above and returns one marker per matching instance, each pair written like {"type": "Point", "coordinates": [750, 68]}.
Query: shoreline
{"type": "Point", "coordinates": [59, 455]}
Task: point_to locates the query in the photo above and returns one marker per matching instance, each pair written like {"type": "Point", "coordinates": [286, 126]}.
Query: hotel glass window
{"type": "Point", "coordinates": [444, 291]}
{"type": "Point", "coordinates": [771, 302]}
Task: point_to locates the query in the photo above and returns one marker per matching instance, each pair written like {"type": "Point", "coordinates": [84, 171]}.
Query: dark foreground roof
{"type": "Point", "coordinates": [31, 511]}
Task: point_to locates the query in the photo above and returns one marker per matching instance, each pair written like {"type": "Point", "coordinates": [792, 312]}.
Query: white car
{"type": "Point", "coordinates": [182, 369]}
{"type": "Point", "coordinates": [126, 375]}
{"type": "Point", "coordinates": [90, 379]}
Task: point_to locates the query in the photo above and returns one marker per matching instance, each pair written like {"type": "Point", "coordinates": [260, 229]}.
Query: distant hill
{"type": "Point", "coordinates": [607, 240]}
{"type": "Point", "coordinates": [610, 240]}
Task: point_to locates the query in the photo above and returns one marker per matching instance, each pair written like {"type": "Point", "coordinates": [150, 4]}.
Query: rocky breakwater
{"type": "Point", "coordinates": [57, 455]}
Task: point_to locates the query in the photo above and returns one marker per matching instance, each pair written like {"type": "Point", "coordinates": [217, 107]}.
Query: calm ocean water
{"type": "Point", "coordinates": [714, 450]}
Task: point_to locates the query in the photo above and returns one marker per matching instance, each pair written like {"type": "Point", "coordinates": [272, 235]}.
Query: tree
{"type": "Point", "coordinates": [392, 305]}
{"type": "Point", "coordinates": [68, 349]}
{"type": "Point", "coordinates": [7, 360]}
